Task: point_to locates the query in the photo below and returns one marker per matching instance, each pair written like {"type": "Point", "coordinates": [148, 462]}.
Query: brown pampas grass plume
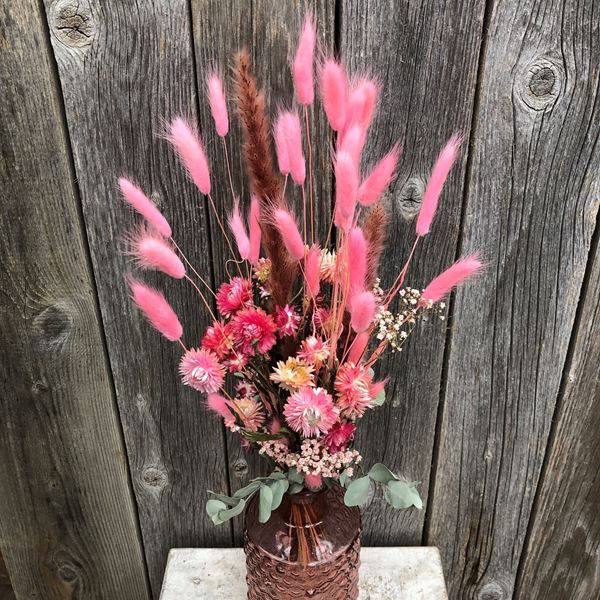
{"type": "Point", "coordinates": [264, 181]}
{"type": "Point", "coordinates": [375, 230]}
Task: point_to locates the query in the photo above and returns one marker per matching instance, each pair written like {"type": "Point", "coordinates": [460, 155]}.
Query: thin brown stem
{"type": "Point", "coordinates": [201, 296]}
{"type": "Point", "coordinates": [310, 177]}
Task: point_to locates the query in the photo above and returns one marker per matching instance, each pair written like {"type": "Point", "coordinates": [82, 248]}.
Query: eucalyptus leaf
{"type": "Point", "coordinates": [247, 490]}
{"type": "Point", "coordinates": [295, 477]}
{"type": "Point", "coordinates": [277, 475]}
{"type": "Point", "coordinates": [295, 488]}
{"type": "Point", "coordinates": [344, 479]}
{"type": "Point", "coordinates": [225, 515]}
{"type": "Point", "coordinates": [358, 491]}
{"type": "Point", "coordinates": [228, 500]}
{"type": "Point", "coordinates": [213, 506]}
{"type": "Point", "coordinates": [379, 399]}
{"type": "Point", "coordinates": [401, 494]}
{"type": "Point", "coordinates": [381, 473]}
{"type": "Point", "coordinates": [279, 488]}
{"type": "Point", "coordinates": [265, 503]}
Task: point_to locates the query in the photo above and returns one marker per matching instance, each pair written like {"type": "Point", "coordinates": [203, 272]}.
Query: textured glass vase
{"type": "Point", "coordinates": [309, 548]}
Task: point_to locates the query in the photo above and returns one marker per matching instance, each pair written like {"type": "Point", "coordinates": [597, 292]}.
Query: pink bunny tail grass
{"type": "Point", "coordinates": [363, 311]}
{"type": "Point", "coordinates": [362, 103]}
{"type": "Point", "coordinates": [286, 224]}
{"type": "Point", "coordinates": [377, 387]}
{"type": "Point", "coordinates": [293, 141]}
{"type": "Point", "coordinates": [346, 190]}
{"type": "Point", "coordinates": [275, 426]}
{"type": "Point", "coordinates": [357, 261]}
{"type": "Point", "coordinates": [186, 141]}
{"type": "Point", "coordinates": [236, 224]}
{"type": "Point", "coordinates": [379, 178]}
{"type": "Point", "coordinates": [218, 103]}
{"type": "Point", "coordinates": [358, 347]}
{"type": "Point", "coordinates": [334, 89]}
{"type": "Point", "coordinates": [281, 149]}
{"type": "Point", "coordinates": [219, 405]}
{"type": "Point", "coordinates": [302, 67]}
{"type": "Point", "coordinates": [438, 177]}
{"type": "Point", "coordinates": [151, 251]}
{"type": "Point", "coordinates": [353, 142]}
{"type": "Point", "coordinates": [313, 481]}
{"type": "Point", "coordinates": [156, 309]}
{"type": "Point", "coordinates": [134, 196]}
{"type": "Point", "coordinates": [312, 270]}
{"type": "Point", "coordinates": [460, 271]}
{"type": "Point", "coordinates": [255, 233]}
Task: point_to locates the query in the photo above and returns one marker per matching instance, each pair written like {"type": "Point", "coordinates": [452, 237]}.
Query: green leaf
{"type": "Point", "coordinates": [265, 503]}
{"type": "Point", "coordinates": [401, 494]}
{"type": "Point", "coordinates": [225, 515]}
{"type": "Point", "coordinates": [358, 491]}
{"type": "Point", "coordinates": [381, 473]}
{"type": "Point", "coordinates": [344, 479]}
{"type": "Point", "coordinates": [247, 490]}
{"type": "Point", "coordinates": [279, 488]}
{"type": "Point", "coordinates": [295, 476]}
{"type": "Point", "coordinates": [228, 500]}
{"type": "Point", "coordinates": [379, 399]}
{"type": "Point", "coordinates": [213, 506]}
{"type": "Point", "coordinates": [295, 488]}
{"type": "Point", "coordinates": [277, 475]}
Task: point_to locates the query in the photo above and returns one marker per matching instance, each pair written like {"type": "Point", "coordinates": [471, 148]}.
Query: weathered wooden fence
{"type": "Point", "coordinates": [105, 457]}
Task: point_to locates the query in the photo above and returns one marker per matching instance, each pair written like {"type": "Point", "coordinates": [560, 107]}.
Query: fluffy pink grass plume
{"type": "Point", "coordinates": [362, 103]}
{"type": "Point", "coordinates": [219, 405]}
{"type": "Point", "coordinates": [281, 149]}
{"type": "Point", "coordinates": [302, 67]}
{"type": "Point", "coordinates": [357, 249]}
{"type": "Point", "coordinates": [292, 134]}
{"type": "Point", "coordinates": [450, 278]}
{"type": "Point", "coordinates": [201, 370]}
{"type": "Point", "coordinates": [334, 89]}
{"type": "Point", "coordinates": [188, 145]}
{"type": "Point", "coordinates": [313, 481]}
{"type": "Point", "coordinates": [236, 224]}
{"type": "Point", "coordinates": [363, 311]}
{"type": "Point", "coordinates": [134, 196]}
{"type": "Point", "coordinates": [353, 142]}
{"type": "Point", "coordinates": [311, 412]}
{"type": "Point", "coordinates": [358, 347]}
{"type": "Point", "coordinates": [156, 309]}
{"type": "Point", "coordinates": [312, 270]}
{"type": "Point", "coordinates": [377, 387]}
{"type": "Point", "coordinates": [152, 251]}
{"type": "Point", "coordinates": [438, 177]}
{"type": "Point", "coordinates": [255, 233]}
{"type": "Point", "coordinates": [346, 190]}
{"type": "Point", "coordinates": [379, 178]}
{"type": "Point", "coordinates": [286, 224]}
{"type": "Point", "coordinates": [218, 104]}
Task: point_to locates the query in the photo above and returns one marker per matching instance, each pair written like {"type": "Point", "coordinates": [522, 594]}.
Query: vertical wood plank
{"type": "Point", "coordinates": [532, 205]}
{"type": "Point", "coordinates": [269, 31]}
{"type": "Point", "coordinates": [123, 68]}
{"type": "Point", "coordinates": [562, 557]}
{"type": "Point", "coordinates": [6, 589]}
{"type": "Point", "coordinates": [429, 74]}
{"type": "Point", "coordinates": [67, 518]}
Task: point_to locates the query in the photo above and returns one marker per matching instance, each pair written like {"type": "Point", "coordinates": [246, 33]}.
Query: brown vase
{"type": "Point", "coordinates": [309, 548]}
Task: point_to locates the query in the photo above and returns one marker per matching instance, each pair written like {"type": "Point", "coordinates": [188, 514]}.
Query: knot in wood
{"type": "Point", "coordinates": [541, 83]}
{"type": "Point", "coordinates": [39, 387]}
{"type": "Point", "coordinates": [492, 591]}
{"type": "Point", "coordinates": [73, 22]}
{"type": "Point", "coordinates": [411, 196]}
{"type": "Point", "coordinates": [155, 478]}
{"type": "Point", "coordinates": [65, 566]}
{"type": "Point", "coordinates": [240, 467]}
{"type": "Point", "coordinates": [54, 324]}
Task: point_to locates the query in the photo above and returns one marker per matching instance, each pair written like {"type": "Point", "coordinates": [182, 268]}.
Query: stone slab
{"type": "Point", "coordinates": [412, 573]}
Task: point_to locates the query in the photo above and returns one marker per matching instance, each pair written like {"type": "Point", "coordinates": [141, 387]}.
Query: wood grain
{"type": "Point", "coordinates": [68, 524]}
{"type": "Point", "coordinates": [562, 557]}
{"type": "Point", "coordinates": [269, 31]}
{"type": "Point", "coordinates": [532, 205]}
{"type": "Point", "coordinates": [6, 590]}
{"type": "Point", "coordinates": [124, 68]}
{"type": "Point", "coordinates": [429, 75]}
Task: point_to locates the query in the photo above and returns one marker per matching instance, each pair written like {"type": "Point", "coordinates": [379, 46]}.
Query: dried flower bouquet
{"type": "Point", "coordinates": [288, 360]}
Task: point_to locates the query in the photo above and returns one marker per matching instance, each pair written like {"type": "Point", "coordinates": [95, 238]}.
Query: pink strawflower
{"type": "Point", "coordinates": [339, 435]}
{"type": "Point", "coordinates": [455, 275]}
{"type": "Point", "coordinates": [250, 412]}
{"type": "Point", "coordinates": [156, 309]}
{"type": "Point", "coordinates": [314, 351]}
{"type": "Point", "coordinates": [334, 89]}
{"type": "Point", "coordinates": [201, 370]}
{"type": "Point", "coordinates": [220, 406]}
{"type": "Point", "coordinates": [254, 330]}
{"type": "Point", "coordinates": [255, 233]}
{"type": "Point", "coordinates": [235, 362]}
{"type": "Point", "coordinates": [236, 224]}
{"type": "Point", "coordinates": [311, 412]}
{"type": "Point", "coordinates": [152, 251]}
{"type": "Point", "coordinates": [438, 177]}
{"type": "Point", "coordinates": [218, 104]}
{"type": "Point", "coordinates": [346, 189]}
{"type": "Point", "coordinates": [322, 317]}
{"type": "Point", "coordinates": [186, 141]}
{"type": "Point", "coordinates": [218, 338]}
{"type": "Point", "coordinates": [379, 178]}
{"type": "Point", "coordinates": [287, 320]}
{"type": "Point", "coordinates": [134, 196]}
{"type": "Point", "coordinates": [245, 389]}
{"type": "Point", "coordinates": [352, 385]}
{"type": "Point", "coordinates": [302, 67]}
{"type": "Point", "coordinates": [234, 295]}
{"type": "Point", "coordinates": [286, 224]}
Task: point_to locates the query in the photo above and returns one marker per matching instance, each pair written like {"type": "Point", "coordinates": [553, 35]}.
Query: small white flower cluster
{"type": "Point", "coordinates": [313, 458]}
{"type": "Point", "coordinates": [395, 328]}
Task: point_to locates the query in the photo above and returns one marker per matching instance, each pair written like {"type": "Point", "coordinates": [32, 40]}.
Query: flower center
{"type": "Point", "coordinates": [312, 415]}
{"type": "Point", "coordinates": [200, 374]}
